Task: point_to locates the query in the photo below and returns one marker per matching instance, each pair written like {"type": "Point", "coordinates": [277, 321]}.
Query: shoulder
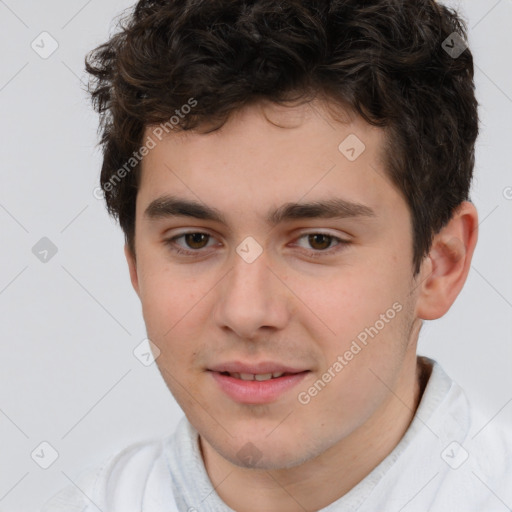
{"type": "Point", "coordinates": [469, 458]}
{"type": "Point", "coordinates": [123, 474]}
{"type": "Point", "coordinates": [490, 444]}
{"type": "Point", "coordinates": [483, 439]}
{"type": "Point", "coordinates": [478, 468]}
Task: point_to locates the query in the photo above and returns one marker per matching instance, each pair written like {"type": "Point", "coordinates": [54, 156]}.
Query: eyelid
{"type": "Point", "coordinates": [189, 232]}
{"type": "Point", "coordinates": [344, 236]}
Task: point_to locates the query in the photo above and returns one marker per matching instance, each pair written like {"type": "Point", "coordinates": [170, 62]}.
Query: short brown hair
{"type": "Point", "coordinates": [384, 59]}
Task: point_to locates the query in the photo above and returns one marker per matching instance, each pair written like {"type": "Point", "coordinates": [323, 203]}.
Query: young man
{"type": "Point", "coordinates": [292, 179]}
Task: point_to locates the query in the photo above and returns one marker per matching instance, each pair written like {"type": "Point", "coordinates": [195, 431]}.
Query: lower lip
{"type": "Point", "coordinates": [254, 391]}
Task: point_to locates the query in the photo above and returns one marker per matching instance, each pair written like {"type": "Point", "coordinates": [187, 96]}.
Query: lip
{"type": "Point", "coordinates": [255, 368]}
{"type": "Point", "coordinates": [257, 392]}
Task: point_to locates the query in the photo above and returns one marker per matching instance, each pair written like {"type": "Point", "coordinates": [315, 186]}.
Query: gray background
{"type": "Point", "coordinates": [69, 325]}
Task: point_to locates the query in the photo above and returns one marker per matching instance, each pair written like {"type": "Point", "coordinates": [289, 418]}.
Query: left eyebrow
{"type": "Point", "coordinates": [336, 208]}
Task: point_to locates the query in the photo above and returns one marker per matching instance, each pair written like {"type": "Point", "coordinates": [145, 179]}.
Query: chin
{"type": "Point", "coordinates": [266, 452]}
{"type": "Point", "coordinates": [268, 462]}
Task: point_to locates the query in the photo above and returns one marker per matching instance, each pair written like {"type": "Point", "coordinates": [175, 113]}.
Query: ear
{"type": "Point", "coordinates": [445, 269]}
{"type": "Point", "coordinates": [132, 267]}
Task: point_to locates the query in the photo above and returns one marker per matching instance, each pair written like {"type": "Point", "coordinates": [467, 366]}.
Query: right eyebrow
{"type": "Point", "coordinates": [168, 206]}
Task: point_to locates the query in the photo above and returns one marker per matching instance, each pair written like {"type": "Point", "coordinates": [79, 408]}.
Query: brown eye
{"type": "Point", "coordinates": [319, 241]}
{"type": "Point", "coordinates": [196, 240]}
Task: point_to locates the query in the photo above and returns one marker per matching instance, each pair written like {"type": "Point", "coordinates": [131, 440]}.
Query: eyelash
{"type": "Point", "coordinates": [315, 253]}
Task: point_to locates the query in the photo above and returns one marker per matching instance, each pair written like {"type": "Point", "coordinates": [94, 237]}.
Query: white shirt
{"type": "Point", "coordinates": [451, 459]}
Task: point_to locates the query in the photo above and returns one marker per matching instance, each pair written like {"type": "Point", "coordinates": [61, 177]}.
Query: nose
{"type": "Point", "coordinates": [252, 299]}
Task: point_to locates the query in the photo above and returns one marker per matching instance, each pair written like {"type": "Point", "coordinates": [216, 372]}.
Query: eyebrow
{"type": "Point", "coordinates": [169, 206]}
{"type": "Point", "coordinates": [335, 208]}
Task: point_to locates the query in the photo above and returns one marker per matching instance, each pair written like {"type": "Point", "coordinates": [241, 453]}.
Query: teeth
{"type": "Point", "coordinates": [263, 376]}
{"type": "Point", "coordinates": [259, 377]}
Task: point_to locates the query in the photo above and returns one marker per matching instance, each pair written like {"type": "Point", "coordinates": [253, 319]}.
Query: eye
{"type": "Point", "coordinates": [196, 240]}
{"type": "Point", "coordinates": [321, 243]}
{"type": "Point", "coordinates": [190, 243]}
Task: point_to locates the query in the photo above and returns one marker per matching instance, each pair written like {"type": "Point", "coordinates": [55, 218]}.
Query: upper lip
{"type": "Point", "coordinates": [255, 368]}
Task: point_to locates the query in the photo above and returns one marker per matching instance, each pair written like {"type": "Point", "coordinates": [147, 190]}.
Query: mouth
{"type": "Point", "coordinates": [257, 388]}
{"type": "Point", "coordinates": [260, 377]}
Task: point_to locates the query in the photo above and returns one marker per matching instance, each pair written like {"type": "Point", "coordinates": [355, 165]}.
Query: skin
{"type": "Point", "coordinates": [298, 303]}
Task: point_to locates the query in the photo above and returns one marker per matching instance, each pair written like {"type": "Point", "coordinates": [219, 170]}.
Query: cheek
{"type": "Point", "coordinates": [176, 306]}
{"type": "Point", "coordinates": [174, 312]}
{"type": "Point", "coordinates": [364, 317]}
{"type": "Point", "coordinates": [350, 300]}
{"type": "Point", "coordinates": [365, 352]}
{"type": "Point", "coordinates": [168, 297]}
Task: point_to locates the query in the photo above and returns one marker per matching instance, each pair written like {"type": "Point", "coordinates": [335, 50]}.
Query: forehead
{"type": "Point", "coordinates": [268, 154]}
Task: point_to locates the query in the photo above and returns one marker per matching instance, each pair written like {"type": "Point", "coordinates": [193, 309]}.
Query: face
{"type": "Point", "coordinates": [268, 247]}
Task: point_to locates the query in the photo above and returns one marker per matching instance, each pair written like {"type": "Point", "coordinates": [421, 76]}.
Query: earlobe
{"type": "Point", "coordinates": [132, 267]}
{"type": "Point", "coordinates": [446, 268]}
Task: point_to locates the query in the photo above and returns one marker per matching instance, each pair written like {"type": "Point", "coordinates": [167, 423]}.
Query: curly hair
{"type": "Point", "coordinates": [385, 60]}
